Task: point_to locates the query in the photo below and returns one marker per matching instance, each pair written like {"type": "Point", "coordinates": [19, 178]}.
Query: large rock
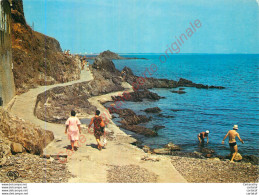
{"type": "Point", "coordinates": [172, 147]}
{"type": "Point", "coordinates": [139, 130]}
{"type": "Point", "coordinates": [104, 64]}
{"type": "Point", "coordinates": [129, 117]}
{"type": "Point", "coordinates": [164, 151]}
{"type": "Point", "coordinates": [153, 110]}
{"type": "Point", "coordinates": [16, 148]}
{"type": "Point", "coordinates": [31, 137]}
{"type": "Point", "coordinates": [238, 157]}
{"type": "Point", "coordinates": [179, 92]}
{"type": "Point", "coordinates": [138, 96]}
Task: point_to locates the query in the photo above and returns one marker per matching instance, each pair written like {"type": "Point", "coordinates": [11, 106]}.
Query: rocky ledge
{"type": "Point", "coordinates": [147, 82]}
{"type": "Point", "coordinates": [130, 121]}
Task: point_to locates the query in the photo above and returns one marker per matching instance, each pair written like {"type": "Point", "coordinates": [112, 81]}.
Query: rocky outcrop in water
{"type": "Point", "coordinates": [153, 110]}
{"type": "Point", "coordinates": [186, 83]}
{"type": "Point", "coordinates": [137, 96]}
{"type": "Point", "coordinates": [110, 55]}
{"type": "Point", "coordinates": [148, 82]}
{"type": "Point", "coordinates": [130, 121]}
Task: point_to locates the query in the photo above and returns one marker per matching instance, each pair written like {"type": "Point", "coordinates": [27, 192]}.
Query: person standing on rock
{"type": "Point", "coordinates": [98, 128]}
{"type": "Point", "coordinates": [73, 129]}
{"type": "Point", "coordinates": [202, 135]}
{"type": "Point", "coordinates": [232, 134]}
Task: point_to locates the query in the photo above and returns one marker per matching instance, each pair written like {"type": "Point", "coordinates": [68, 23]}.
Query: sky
{"type": "Point", "coordinates": [147, 26]}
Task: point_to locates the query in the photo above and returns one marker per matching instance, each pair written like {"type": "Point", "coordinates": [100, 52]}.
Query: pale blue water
{"type": "Point", "coordinates": [200, 109]}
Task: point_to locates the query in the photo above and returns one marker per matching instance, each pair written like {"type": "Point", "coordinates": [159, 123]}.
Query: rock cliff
{"type": "Point", "coordinates": [15, 133]}
{"type": "Point", "coordinates": [37, 58]}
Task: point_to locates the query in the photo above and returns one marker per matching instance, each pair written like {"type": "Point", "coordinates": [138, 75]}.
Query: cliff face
{"type": "Point", "coordinates": [37, 59]}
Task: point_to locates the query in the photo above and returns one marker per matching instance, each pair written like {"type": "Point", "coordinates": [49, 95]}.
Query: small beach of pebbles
{"type": "Point", "coordinates": [215, 171]}
{"type": "Point", "coordinates": [28, 168]}
{"type": "Point", "coordinates": [130, 174]}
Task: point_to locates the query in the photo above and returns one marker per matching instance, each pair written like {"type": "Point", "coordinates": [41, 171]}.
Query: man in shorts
{"type": "Point", "coordinates": [232, 134]}
{"type": "Point", "coordinates": [202, 135]}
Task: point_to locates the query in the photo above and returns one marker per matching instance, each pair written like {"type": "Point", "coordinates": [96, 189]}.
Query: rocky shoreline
{"type": "Point", "coordinates": [214, 171]}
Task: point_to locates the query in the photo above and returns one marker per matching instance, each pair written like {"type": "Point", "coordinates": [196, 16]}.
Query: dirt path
{"type": "Point", "coordinates": [91, 165]}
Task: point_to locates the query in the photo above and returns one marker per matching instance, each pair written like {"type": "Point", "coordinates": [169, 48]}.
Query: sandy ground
{"type": "Point", "coordinates": [87, 164]}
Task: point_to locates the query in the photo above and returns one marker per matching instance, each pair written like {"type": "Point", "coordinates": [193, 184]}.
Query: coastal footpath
{"type": "Point", "coordinates": [119, 162]}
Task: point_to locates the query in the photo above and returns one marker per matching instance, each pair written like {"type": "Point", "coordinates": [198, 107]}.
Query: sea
{"type": "Point", "coordinates": [186, 115]}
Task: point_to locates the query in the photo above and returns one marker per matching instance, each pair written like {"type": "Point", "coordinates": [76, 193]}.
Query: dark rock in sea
{"type": "Point", "coordinates": [165, 116]}
{"type": "Point", "coordinates": [181, 88]}
{"type": "Point", "coordinates": [129, 117]}
{"type": "Point", "coordinates": [139, 130]}
{"type": "Point", "coordinates": [187, 83]}
{"type": "Point", "coordinates": [158, 127]}
{"type": "Point", "coordinates": [175, 110]}
{"type": "Point", "coordinates": [153, 110]}
{"type": "Point", "coordinates": [179, 92]}
{"type": "Point", "coordinates": [137, 96]}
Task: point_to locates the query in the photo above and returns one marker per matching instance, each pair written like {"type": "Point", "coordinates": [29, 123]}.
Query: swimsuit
{"type": "Point", "coordinates": [98, 130]}
{"type": "Point", "coordinates": [232, 144]}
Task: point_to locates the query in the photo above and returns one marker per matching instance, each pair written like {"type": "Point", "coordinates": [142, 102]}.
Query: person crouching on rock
{"type": "Point", "coordinates": [73, 129]}
{"type": "Point", "coordinates": [232, 141]}
{"type": "Point", "coordinates": [98, 128]}
{"type": "Point", "coordinates": [202, 135]}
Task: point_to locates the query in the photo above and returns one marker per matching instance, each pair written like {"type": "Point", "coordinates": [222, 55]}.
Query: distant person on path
{"type": "Point", "coordinates": [83, 64]}
{"type": "Point", "coordinates": [87, 65]}
{"type": "Point", "coordinates": [98, 128]}
{"type": "Point", "coordinates": [123, 75]}
{"type": "Point", "coordinates": [202, 135]}
{"type": "Point", "coordinates": [73, 129]}
{"type": "Point", "coordinates": [232, 141]}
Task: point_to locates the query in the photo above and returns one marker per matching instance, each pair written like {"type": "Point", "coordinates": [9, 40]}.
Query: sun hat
{"type": "Point", "coordinates": [235, 127]}
{"type": "Point", "coordinates": [208, 131]}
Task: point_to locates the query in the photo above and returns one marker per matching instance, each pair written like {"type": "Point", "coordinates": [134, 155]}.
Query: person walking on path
{"type": "Point", "coordinates": [73, 129]}
{"type": "Point", "coordinates": [232, 134]}
{"type": "Point", "coordinates": [202, 135]}
{"type": "Point", "coordinates": [98, 128]}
